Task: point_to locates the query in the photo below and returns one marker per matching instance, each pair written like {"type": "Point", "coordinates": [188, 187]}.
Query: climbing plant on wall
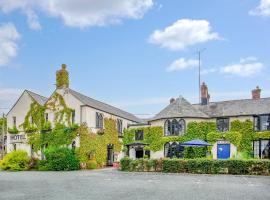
{"type": "Point", "coordinates": [94, 146]}
{"type": "Point", "coordinates": [39, 132]}
{"type": "Point", "coordinates": [62, 114]}
{"type": "Point", "coordinates": [62, 77]}
{"type": "Point", "coordinates": [152, 136]}
{"type": "Point", "coordinates": [246, 130]}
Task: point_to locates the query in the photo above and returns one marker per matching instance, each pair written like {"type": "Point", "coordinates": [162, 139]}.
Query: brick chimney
{"type": "Point", "coordinates": [205, 97]}
{"type": "Point", "coordinates": [172, 100]}
{"type": "Point", "coordinates": [256, 93]}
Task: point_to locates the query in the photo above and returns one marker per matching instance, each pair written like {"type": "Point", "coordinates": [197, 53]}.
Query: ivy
{"type": "Point", "coordinates": [234, 137]}
{"type": "Point", "coordinates": [262, 135]}
{"type": "Point", "coordinates": [152, 136]}
{"type": "Point", "coordinates": [246, 130]}
{"type": "Point", "coordinates": [60, 136]}
{"type": "Point", "coordinates": [36, 115]}
{"type": "Point", "coordinates": [62, 114]}
{"type": "Point", "coordinates": [213, 136]}
{"type": "Point", "coordinates": [62, 77]}
{"type": "Point", "coordinates": [3, 125]}
{"type": "Point", "coordinates": [199, 130]}
{"type": "Point", "coordinates": [94, 146]}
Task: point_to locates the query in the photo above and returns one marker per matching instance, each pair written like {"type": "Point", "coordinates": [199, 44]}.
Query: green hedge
{"type": "Point", "coordinates": [198, 166]}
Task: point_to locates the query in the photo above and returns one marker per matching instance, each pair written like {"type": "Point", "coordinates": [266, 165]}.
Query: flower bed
{"type": "Point", "coordinates": [198, 166]}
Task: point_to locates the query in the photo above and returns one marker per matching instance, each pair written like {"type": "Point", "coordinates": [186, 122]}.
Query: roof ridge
{"type": "Point", "coordinates": [234, 100]}
{"type": "Point", "coordinates": [35, 93]}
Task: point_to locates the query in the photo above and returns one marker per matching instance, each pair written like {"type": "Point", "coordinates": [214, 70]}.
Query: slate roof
{"type": "Point", "coordinates": [104, 107]}
{"type": "Point", "coordinates": [180, 108]}
{"type": "Point", "coordinates": [38, 98]}
{"type": "Point", "coordinates": [232, 108]}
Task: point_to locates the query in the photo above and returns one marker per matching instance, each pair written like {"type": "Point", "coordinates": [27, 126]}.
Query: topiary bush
{"type": "Point", "coordinates": [15, 161]}
{"type": "Point", "coordinates": [91, 164]}
{"type": "Point", "coordinates": [61, 159]}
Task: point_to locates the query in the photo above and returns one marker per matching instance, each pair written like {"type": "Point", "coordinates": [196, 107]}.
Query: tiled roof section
{"type": "Point", "coordinates": [104, 107]}
{"type": "Point", "coordinates": [236, 107]}
{"type": "Point", "coordinates": [38, 98]}
{"type": "Point", "coordinates": [180, 108]}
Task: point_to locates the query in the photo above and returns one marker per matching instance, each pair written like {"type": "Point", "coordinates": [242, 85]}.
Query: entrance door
{"type": "Point", "coordinates": [139, 153]}
{"type": "Point", "coordinates": [110, 157]}
{"type": "Point", "coordinates": [223, 151]}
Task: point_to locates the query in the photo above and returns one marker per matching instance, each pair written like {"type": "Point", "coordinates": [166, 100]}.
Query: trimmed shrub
{"type": "Point", "coordinates": [91, 164]}
{"type": "Point", "coordinates": [15, 161]}
{"type": "Point", "coordinates": [61, 159]}
{"type": "Point", "coordinates": [198, 166]}
{"type": "Point", "coordinates": [43, 166]}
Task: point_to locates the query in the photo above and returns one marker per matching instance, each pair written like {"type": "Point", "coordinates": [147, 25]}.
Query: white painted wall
{"type": "Point", "coordinates": [19, 110]}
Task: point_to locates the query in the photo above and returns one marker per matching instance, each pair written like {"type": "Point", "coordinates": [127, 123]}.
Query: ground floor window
{"type": "Point", "coordinates": [172, 150]}
{"type": "Point", "coordinates": [261, 149]}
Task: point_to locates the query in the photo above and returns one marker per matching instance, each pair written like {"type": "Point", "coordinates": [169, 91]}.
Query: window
{"type": "Point", "coordinates": [223, 124]}
{"type": "Point", "coordinates": [73, 145]}
{"type": "Point", "coordinates": [173, 150]}
{"type": "Point", "coordinates": [14, 121]}
{"type": "Point", "coordinates": [139, 135]}
{"type": "Point", "coordinates": [31, 120]}
{"type": "Point", "coordinates": [73, 117]}
{"type": "Point", "coordinates": [46, 117]}
{"type": "Point", "coordinates": [262, 123]}
{"type": "Point", "coordinates": [261, 149]}
{"type": "Point", "coordinates": [174, 127]}
{"type": "Point", "coordinates": [99, 120]}
{"type": "Point", "coordinates": [120, 127]}
{"type": "Point", "coordinates": [182, 126]}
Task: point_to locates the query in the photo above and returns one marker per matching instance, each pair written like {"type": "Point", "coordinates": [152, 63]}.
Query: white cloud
{"type": "Point", "coordinates": [208, 71]}
{"type": "Point", "coordinates": [245, 68]}
{"type": "Point", "coordinates": [183, 33]}
{"type": "Point", "coordinates": [8, 43]}
{"type": "Point", "coordinates": [262, 10]}
{"type": "Point", "coordinates": [182, 64]}
{"type": "Point", "coordinates": [80, 13]}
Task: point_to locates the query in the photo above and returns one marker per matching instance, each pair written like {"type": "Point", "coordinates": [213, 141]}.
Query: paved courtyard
{"type": "Point", "coordinates": [112, 184]}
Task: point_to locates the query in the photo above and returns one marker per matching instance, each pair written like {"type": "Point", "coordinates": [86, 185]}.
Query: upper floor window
{"type": "Point", "coordinates": [175, 127]}
{"type": "Point", "coordinates": [120, 127]}
{"type": "Point", "coordinates": [99, 120]}
{"type": "Point", "coordinates": [46, 117]}
{"type": "Point", "coordinates": [139, 135]}
{"type": "Point", "coordinates": [14, 121]}
{"type": "Point", "coordinates": [262, 123]}
{"type": "Point", "coordinates": [223, 124]}
{"type": "Point", "coordinates": [73, 117]}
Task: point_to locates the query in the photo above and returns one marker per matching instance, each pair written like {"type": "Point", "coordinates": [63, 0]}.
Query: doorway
{"type": "Point", "coordinates": [139, 153]}
{"type": "Point", "coordinates": [110, 157]}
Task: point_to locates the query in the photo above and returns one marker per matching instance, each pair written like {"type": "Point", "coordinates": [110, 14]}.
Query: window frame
{"type": "Point", "coordinates": [223, 128]}
{"type": "Point", "coordinates": [137, 132]}
{"type": "Point", "coordinates": [120, 127]}
{"type": "Point", "coordinates": [14, 121]}
{"type": "Point", "coordinates": [174, 127]}
{"type": "Point", "coordinates": [257, 122]}
{"type": "Point", "coordinates": [99, 121]}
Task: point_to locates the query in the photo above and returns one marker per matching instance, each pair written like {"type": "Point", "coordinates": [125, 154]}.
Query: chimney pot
{"type": "Point", "coordinates": [205, 97]}
{"type": "Point", "coordinates": [172, 100]}
{"type": "Point", "coordinates": [256, 93]}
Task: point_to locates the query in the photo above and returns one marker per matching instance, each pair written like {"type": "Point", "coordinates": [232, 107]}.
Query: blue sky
{"type": "Point", "coordinates": [135, 54]}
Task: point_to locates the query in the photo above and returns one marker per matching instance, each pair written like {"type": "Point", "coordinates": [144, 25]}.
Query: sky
{"type": "Point", "coordinates": [135, 54]}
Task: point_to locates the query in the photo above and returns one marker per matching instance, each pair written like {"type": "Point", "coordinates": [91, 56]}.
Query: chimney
{"type": "Point", "coordinates": [62, 78]}
{"type": "Point", "coordinates": [256, 93]}
{"type": "Point", "coordinates": [172, 100]}
{"type": "Point", "coordinates": [205, 97]}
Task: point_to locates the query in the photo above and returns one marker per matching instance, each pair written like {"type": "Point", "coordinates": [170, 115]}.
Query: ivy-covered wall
{"type": "Point", "coordinates": [241, 134]}
{"type": "Point", "coordinates": [94, 146]}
